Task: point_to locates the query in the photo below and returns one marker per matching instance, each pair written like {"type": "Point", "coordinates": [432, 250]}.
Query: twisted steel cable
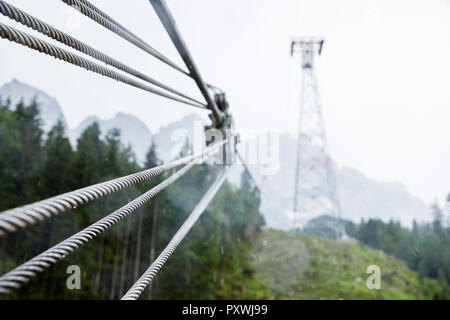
{"type": "Point", "coordinates": [104, 15]}
{"type": "Point", "coordinates": [32, 42]}
{"type": "Point", "coordinates": [101, 18]}
{"type": "Point", "coordinates": [28, 20]}
{"type": "Point", "coordinates": [23, 273]}
{"type": "Point", "coordinates": [140, 285]}
{"type": "Point", "coordinates": [13, 219]}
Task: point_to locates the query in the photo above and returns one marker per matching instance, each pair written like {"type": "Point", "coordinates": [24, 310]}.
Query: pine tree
{"type": "Point", "coordinates": [57, 174]}
{"type": "Point", "coordinates": [111, 261]}
{"type": "Point", "coordinates": [30, 158]}
{"type": "Point", "coordinates": [90, 156]}
{"type": "Point", "coordinates": [246, 182]}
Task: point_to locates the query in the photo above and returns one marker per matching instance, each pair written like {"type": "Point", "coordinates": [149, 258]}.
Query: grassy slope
{"type": "Point", "coordinates": [290, 266]}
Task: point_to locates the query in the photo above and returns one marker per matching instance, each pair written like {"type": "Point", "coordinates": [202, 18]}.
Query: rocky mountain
{"type": "Point", "coordinates": [133, 132]}
{"type": "Point", "coordinates": [170, 139]}
{"type": "Point", "coordinates": [48, 106]}
{"type": "Point", "coordinates": [361, 197]}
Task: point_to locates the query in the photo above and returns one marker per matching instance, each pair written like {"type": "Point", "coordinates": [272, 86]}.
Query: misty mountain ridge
{"type": "Point", "coordinates": [49, 108]}
{"type": "Point", "coordinates": [361, 197]}
{"type": "Point", "coordinates": [170, 139]}
{"type": "Point", "coordinates": [133, 131]}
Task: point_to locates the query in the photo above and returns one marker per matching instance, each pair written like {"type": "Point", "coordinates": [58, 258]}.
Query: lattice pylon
{"type": "Point", "coordinates": [315, 191]}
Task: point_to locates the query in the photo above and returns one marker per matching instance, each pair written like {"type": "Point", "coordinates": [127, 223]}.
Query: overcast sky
{"type": "Point", "coordinates": [384, 75]}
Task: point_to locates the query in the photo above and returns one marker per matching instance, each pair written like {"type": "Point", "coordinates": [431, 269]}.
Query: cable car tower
{"type": "Point", "coordinates": [315, 191]}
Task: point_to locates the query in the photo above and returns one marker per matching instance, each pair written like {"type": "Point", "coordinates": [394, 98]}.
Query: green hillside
{"type": "Point", "coordinates": [291, 266]}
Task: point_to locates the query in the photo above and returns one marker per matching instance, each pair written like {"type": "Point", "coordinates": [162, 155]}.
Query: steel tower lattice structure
{"type": "Point", "coordinates": [315, 191]}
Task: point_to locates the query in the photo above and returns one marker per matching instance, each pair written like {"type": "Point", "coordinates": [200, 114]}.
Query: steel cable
{"type": "Point", "coordinates": [140, 285]}
{"type": "Point", "coordinates": [101, 18]}
{"type": "Point", "coordinates": [169, 24]}
{"type": "Point", "coordinates": [46, 29]}
{"type": "Point", "coordinates": [32, 42]}
{"type": "Point", "coordinates": [15, 278]}
{"type": "Point", "coordinates": [101, 13]}
{"type": "Point", "coordinates": [13, 219]}
{"type": "Point", "coordinates": [17, 218]}
{"type": "Point", "coordinates": [249, 172]}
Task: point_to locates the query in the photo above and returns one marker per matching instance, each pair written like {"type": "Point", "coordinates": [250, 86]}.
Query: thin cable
{"type": "Point", "coordinates": [28, 20]}
{"type": "Point", "coordinates": [32, 42]}
{"type": "Point", "coordinates": [140, 285]}
{"type": "Point", "coordinates": [14, 219]}
{"type": "Point", "coordinates": [249, 172]}
{"type": "Point", "coordinates": [23, 273]}
{"type": "Point", "coordinates": [101, 18]}
{"type": "Point", "coordinates": [101, 13]}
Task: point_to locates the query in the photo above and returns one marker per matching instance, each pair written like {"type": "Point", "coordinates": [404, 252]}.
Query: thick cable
{"type": "Point", "coordinates": [32, 42]}
{"type": "Point", "coordinates": [140, 285]}
{"type": "Point", "coordinates": [34, 23]}
{"type": "Point", "coordinates": [15, 278]}
{"type": "Point", "coordinates": [169, 24]}
{"type": "Point", "coordinates": [101, 18]}
{"type": "Point", "coordinates": [14, 219]}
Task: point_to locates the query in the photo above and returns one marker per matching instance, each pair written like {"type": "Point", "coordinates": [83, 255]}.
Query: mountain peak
{"type": "Point", "coordinates": [133, 132]}
{"type": "Point", "coordinates": [361, 196]}
{"type": "Point", "coordinates": [120, 115]}
{"type": "Point", "coordinates": [169, 144]}
{"type": "Point", "coordinates": [49, 108]}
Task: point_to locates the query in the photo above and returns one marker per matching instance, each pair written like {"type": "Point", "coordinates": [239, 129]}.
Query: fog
{"type": "Point", "coordinates": [383, 75]}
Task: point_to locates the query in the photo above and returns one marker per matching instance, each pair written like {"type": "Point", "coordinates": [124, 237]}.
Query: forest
{"type": "Point", "coordinates": [219, 257]}
{"type": "Point", "coordinates": [35, 166]}
{"type": "Point", "coordinates": [425, 247]}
